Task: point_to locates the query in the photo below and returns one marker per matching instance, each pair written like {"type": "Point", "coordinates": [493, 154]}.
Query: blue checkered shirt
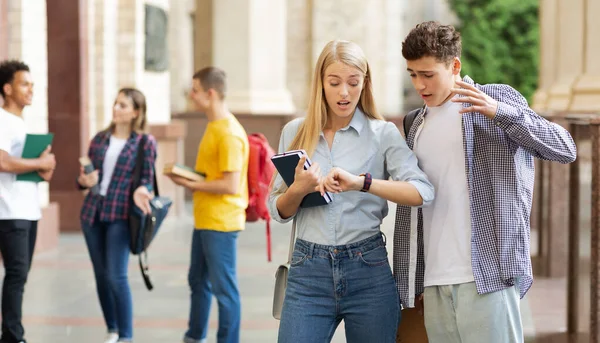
{"type": "Point", "coordinates": [500, 174]}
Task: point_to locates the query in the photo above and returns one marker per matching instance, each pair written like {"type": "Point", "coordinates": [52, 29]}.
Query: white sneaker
{"type": "Point", "coordinates": [112, 337]}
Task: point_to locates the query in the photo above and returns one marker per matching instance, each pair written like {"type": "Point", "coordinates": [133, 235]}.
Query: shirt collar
{"type": "Point", "coordinates": [358, 121]}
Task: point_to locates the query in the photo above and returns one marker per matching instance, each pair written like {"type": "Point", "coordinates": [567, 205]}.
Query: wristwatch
{"type": "Point", "coordinates": [367, 183]}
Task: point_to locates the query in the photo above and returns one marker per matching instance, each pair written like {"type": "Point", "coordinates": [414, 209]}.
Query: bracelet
{"type": "Point", "coordinates": [367, 183]}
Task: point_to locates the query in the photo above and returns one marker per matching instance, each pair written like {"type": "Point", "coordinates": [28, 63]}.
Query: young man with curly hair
{"type": "Point", "coordinates": [19, 202]}
{"type": "Point", "coordinates": [466, 256]}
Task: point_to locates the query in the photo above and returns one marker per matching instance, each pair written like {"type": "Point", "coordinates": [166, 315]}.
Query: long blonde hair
{"type": "Point", "coordinates": [352, 55]}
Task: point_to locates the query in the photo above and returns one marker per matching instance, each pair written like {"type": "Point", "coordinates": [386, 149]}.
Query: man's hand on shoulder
{"type": "Point", "coordinates": [479, 101]}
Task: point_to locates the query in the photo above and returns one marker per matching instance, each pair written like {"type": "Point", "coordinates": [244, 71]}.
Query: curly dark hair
{"type": "Point", "coordinates": [433, 39]}
{"type": "Point", "coordinates": [8, 69]}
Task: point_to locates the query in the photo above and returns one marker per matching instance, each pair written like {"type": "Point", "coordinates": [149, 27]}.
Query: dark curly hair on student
{"type": "Point", "coordinates": [433, 39]}
{"type": "Point", "coordinates": [8, 69]}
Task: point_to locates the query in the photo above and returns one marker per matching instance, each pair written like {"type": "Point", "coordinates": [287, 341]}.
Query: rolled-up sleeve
{"type": "Point", "coordinates": [287, 135]}
{"type": "Point", "coordinates": [402, 164]}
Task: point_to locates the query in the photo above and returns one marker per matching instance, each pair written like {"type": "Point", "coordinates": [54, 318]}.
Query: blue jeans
{"type": "Point", "coordinates": [328, 284]}
{"type": "Point", "coordinates": [108, 245]}
{"type": "Point", "coordinates": [213, 271]}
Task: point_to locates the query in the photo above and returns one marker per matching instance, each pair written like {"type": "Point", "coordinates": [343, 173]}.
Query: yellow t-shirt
{"type": "Point", "coordinates": [224, 148]}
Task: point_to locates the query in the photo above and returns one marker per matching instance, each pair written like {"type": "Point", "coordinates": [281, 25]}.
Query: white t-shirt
{"type": "Point", "coordinates": [447, 221]}
{"type": "Point", "coordinates": [18, 199]}
{"type": "Point", "coordinates": [110, 161]}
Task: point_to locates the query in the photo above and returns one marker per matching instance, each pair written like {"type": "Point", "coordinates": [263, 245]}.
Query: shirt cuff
{"type": "Point", "coordinates": [275, 212]}
{"type": "Point", "coordinates": [505, 116]}
{"type": "Point", "coordinates": [425, 191]}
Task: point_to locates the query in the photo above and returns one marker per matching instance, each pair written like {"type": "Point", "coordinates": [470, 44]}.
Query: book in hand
{"type": "Point", "coordinates": [88, 167]}
{"type": "Point", "coordinates": [286, 166]}
{"type": "Point", "coordinates": [35, 144]}
{"type": "Point", "coordinates": [183, 171]}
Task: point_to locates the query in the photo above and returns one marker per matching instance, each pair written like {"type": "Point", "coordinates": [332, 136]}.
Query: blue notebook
{"type": "Point", "coordinates": [286, 166]}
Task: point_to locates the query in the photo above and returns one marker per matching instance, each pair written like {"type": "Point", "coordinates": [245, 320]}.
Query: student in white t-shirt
{"type": "Point", "coordinates": [19, 202]}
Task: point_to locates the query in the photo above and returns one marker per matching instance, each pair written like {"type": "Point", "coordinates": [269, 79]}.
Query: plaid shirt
{"type": "Point", "coordinates": [115, 205]}
{"type": "Point", "coordinates": [500, 174]}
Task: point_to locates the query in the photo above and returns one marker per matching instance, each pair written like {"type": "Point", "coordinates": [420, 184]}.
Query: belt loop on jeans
{"type": "Point", "coordinates": [350, 253]}
{"type": "Point", "coordinates": [311, 250]}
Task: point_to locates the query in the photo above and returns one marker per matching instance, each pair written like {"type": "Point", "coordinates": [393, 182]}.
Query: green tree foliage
{"type": "Point", "coordinates": [500, 41]}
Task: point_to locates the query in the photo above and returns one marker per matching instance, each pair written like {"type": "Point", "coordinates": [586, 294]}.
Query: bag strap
{"type": "Point", "coordinates": [410, 118]}
{"type": "Point", "coordinates": [139, 166]}
{"type": "Point", "coordinates": [143, 262]}
{"type": "Point", "coordinates": [137, 175]}
{"type": "Point", "coordinates": [292, 240]}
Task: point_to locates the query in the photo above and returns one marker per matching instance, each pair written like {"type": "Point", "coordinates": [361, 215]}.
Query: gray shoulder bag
{"type": "Point", "coordinates": [281, 277]}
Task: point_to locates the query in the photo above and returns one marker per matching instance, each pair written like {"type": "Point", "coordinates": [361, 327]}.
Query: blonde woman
{"type": "Point", "coordinates": [340, 268]}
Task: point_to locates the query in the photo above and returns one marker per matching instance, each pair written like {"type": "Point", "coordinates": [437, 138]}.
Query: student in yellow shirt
{"type": "Point", "coordinates": [220, 203]}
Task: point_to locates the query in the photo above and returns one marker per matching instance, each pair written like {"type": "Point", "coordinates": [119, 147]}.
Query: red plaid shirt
{"type": "Point", "coordinates": [115, 205]}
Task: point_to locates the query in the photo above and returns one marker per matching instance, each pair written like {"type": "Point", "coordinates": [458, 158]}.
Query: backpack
{"type": "Point", "coordinates": [409, 119]}
{"type": "Point", "coordinates": [260, 174]}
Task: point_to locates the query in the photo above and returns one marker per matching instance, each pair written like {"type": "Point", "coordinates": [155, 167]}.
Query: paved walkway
{"type": "Point", "coordinates": [61, 303]}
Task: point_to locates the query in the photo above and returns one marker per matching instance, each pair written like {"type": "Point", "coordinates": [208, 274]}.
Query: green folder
{"type": "Point", "coordinates": [35, 144]}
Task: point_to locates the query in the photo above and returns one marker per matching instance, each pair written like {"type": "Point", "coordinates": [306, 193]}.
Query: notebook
{"type": "Point", "coordinates": [35, 144]}
{"type": "Point", "coordinates": [286, 166]}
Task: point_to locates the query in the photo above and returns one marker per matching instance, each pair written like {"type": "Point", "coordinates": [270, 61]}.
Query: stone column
{"type": "Point", "coordinates": [299, 51]}
{"type": "Point", "coordinates": [249, 43]}
{"type": "Point", "coordinates": [181, 52]}
{"type": "Point", "coordinates": [394, 68]}
{"type": "Point", "coordinates": [594, 284]}
{"type": "Point", "coordinates": [569, 52]}
{"type": "Point", "coordinates": [107, 60]}
{"type": "Point", "coordinates": [102, 62]}
{"type": "Point", "coordinates": [376, 26]}
{"type": "Point", "coordinates": [548, 16]}
{"type": "Point", "coordinates": [203, 34]}
{"type": "Point", "coordinates": [586, 91]}
{"type": "Point", "coordinates": [67, 104]}
{"type": "Point", "coordinates": [3, 30]}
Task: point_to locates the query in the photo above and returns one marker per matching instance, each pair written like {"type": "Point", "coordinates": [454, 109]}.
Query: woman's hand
{"type": "Point", "coordinates": [339, 180]}
{"type": "Point", "coordinates": [142, 198]}
{"type": "Point", "coordinates": [306, 181]}
{"type": "Point", "coordinates": [87, 180]}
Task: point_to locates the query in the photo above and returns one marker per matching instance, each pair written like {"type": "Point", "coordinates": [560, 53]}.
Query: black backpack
{"type": "Point", "coordinates": [410, 118]}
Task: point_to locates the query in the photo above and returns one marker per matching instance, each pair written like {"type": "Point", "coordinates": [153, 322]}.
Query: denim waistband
{"type": "Point", "coordinates": [340, 251]}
